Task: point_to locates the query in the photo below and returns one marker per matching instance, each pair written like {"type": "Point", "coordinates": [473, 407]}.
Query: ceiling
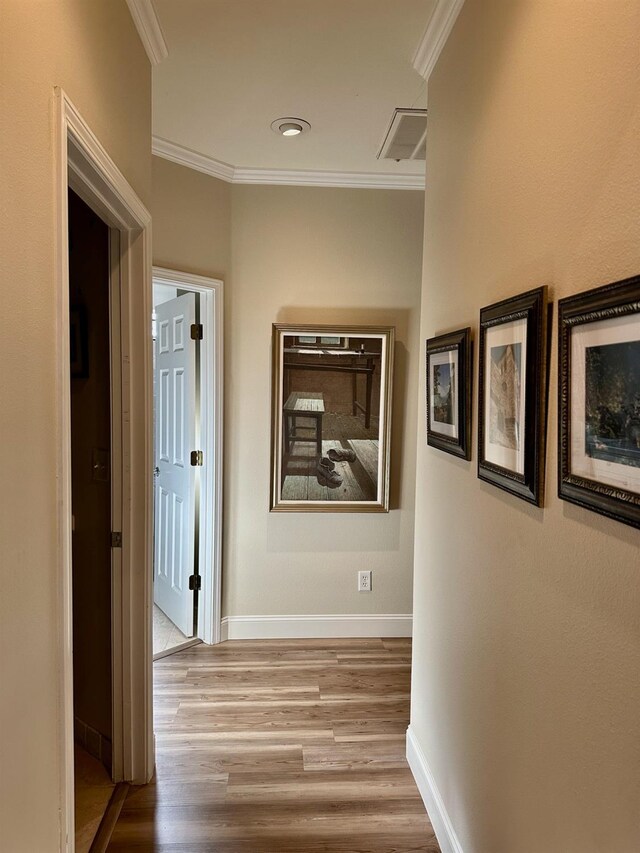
{"type": "Point", "coordinates": [234, 66]}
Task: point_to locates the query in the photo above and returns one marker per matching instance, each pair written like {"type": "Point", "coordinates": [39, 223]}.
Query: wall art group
{"type": "Point", "coordinates": [598, 396]}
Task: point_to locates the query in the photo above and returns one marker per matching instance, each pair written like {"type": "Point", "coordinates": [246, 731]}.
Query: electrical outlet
{"type": "Point", "coordinates": [364, 581]}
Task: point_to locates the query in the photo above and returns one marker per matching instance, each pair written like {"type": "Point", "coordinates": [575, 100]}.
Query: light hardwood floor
{"type": "Point", "coordinates": [280, 746]}
{"type": "Point", "coordinates": [93, 789]}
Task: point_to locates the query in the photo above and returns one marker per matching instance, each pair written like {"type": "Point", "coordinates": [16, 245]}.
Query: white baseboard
{"type": "Point", "coordinates": [430, 794]}
{"type": "Point", "coordinates": [308, 627]}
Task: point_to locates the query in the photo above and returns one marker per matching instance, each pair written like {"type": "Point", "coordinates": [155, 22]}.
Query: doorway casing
{"type": "Point", "coordinates": [83, 164]}
{"type": "Point", "coordinates": [211, 428]}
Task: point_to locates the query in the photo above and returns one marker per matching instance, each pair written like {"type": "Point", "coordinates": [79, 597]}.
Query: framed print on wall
{"type": "Point", "coordinates": [512, 394]}
{"type": "Point", "coordinates": [331, 418]}
{"type": "Point", "coordinates": [599, 400]}
{"type": "Point", "coordinates": [448, 388]}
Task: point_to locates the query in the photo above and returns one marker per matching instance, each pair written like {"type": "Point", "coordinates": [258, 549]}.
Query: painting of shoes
{"type": "Point", "coordinates": [331, 418]}
{"type": "Point", "coordinates": [341, 455]}
{"type": "Point", "coordinates": [327, 476]}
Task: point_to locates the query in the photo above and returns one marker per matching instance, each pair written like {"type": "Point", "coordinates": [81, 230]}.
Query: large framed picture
{"type": "Point", "coordinates": [599, 400]}
{"type": "Point", "coordinates": [448, 388]}
{"type": "Point", "coordinates": [331, 418]}
{"type": "Point", "coordinates": [512, 394]}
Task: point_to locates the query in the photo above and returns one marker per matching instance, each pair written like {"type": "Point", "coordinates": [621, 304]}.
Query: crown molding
{"type": "Point", "coordinates": [435, 36]}
{"type": "Point", "coordinates": [290, 177]}
{"type": "Point", "coordinates": [148, 26]}
{"type": "Point", "coordinates": [192, 159]}
{"type": "Point", "coordinates": [355, 180]}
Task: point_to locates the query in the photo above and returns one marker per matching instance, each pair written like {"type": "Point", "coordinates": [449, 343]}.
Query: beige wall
{"type": "Point", "coordinates": [329, 256]}
{"type": "Point", "coordinates": [526, 696]}
{"type": "Point", "coordinates": [191, 220]}
{"type": "Point", "coordinates": [299, 254]}
{"type": "Point", "coordinates": [92, 50]}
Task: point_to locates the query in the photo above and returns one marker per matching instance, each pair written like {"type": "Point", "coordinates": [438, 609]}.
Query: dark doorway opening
{"type": "Point", "coordinates": [89, 277]}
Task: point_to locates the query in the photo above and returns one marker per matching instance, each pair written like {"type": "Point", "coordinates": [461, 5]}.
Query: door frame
{"type": "Point", "coordinates": [211, 292]}
{"type": "Point", "coordinates": [83, 164]}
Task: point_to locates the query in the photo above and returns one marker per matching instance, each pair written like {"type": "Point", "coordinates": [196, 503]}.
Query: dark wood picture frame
{"type": "Point", "coordinates": [603, 306]}
{"type": "Point", "coordinates": [460, 343]}
{"type": "Point", "coordinates": [529, 310]}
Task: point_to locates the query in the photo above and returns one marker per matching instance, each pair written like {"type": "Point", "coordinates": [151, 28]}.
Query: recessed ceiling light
{"type": "Point", "coordinates": [289, 126]}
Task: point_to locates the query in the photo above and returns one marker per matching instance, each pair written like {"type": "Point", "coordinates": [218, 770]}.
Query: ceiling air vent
{"type": "Point", "coordinates": [406, 137]}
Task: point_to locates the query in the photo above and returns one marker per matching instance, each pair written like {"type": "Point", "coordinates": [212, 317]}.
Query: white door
{"type": "Point", "coordinates": [175, 378]}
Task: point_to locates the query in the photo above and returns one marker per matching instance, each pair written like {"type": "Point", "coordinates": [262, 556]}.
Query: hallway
{"type": "Point", "coordinates": [280, 746]}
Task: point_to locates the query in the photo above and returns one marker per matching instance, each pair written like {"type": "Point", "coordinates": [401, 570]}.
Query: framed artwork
{"type": "Point", "coordinates": [79, 342]}
{"type": "Point", "coordinates": [599, 400]}
{"type": "Point", "coordinates": [449, 393]}
{"type": "Point", "coordinates": [512, 395]}
{"type": "Point", "coordinates": [331, 418]}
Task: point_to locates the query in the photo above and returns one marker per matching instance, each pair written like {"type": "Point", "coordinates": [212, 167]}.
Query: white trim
{"type": "Point", "coordinates": [148, 27]}
{"type": "Point", "coordinates": [431, 797]}
{"type": "Point", "coordinates": [435, 36]}
{"type": "Point", "coordinates": [355, 180]}
{"type": "Point", "coordinates": [63, 473]}
{"type": "Point", "coordinates": [212, 419]}
{"type": "Point", "coordinates": [290, 177]}
{"type": "Point", "coordinates": [117, 494]}
{"type": "Point", "coordinates": [83, 164]}
{"type": "Point", "coordinates": [297, 627]}
{"type": "Point", "coordinates": [186, 157]}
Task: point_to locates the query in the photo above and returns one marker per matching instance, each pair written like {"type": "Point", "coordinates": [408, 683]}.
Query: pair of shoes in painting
{"type": "Point", "coordinates": [327, 475]}
{"type": "Point", "coordinates": [326, 469]}
{"type": "Point", "coordinates": [341, 455]}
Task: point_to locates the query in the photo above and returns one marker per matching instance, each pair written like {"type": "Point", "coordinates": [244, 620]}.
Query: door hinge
{"type": "Point", "coordinates": [195, 582]}
{"type": "Point", "coordinates": [197, 457]}
{"type": "Point", "coordinates": [196, 332]}
{"type": "Point", "coordinates": [116, 539]}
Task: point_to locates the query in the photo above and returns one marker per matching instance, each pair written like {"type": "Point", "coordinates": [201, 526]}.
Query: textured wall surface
{"type": "Point", "coordinates": [526, 697]}
{"type": "Point", "coordinates": [92, 50]}
{"type": "Point", "coordinates": [327, 256]}
{"type": "Point", "coordinates": [191, 220]}
{"type": "Point", "coordinates": [300, 254]}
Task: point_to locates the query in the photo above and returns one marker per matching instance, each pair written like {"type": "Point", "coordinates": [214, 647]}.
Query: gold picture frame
{"type": "Point", "coordinates": [331, 417]}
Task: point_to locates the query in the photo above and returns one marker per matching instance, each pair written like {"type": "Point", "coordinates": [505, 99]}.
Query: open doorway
{"type": "Point", "coordinates": [187, 385]}
{"type": "Point", "coordinates": [91, 502]}
{"type": "Point", "coordinates": [122, 454]}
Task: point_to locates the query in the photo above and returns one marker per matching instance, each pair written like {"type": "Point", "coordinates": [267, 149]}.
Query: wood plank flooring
{"type": "Point", "coordinates": [359, 478]}
{"type": "Point", "coordinates": [93, 789]}
{"type": "Point", "coordinates": [280, 746]}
